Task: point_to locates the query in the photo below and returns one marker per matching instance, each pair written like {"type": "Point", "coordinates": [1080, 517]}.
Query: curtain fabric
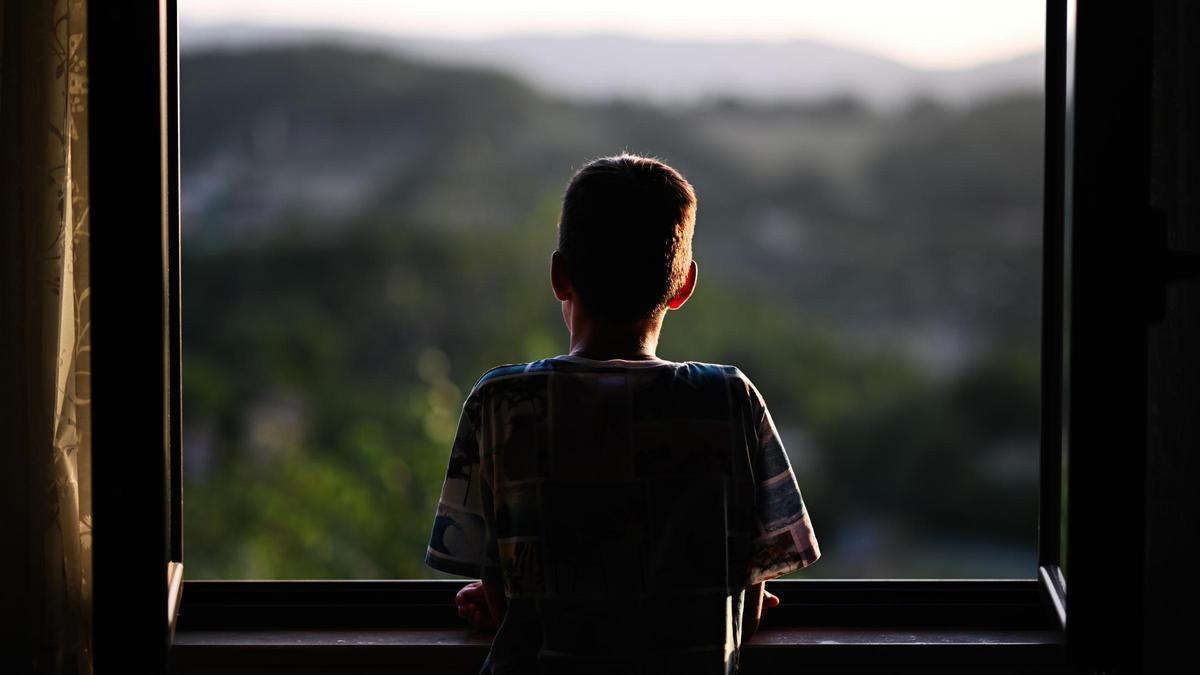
{"type": "Point", "coordinates": [45, 425]}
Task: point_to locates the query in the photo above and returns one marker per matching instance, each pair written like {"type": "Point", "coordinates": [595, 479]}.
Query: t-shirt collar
{"type": "Point", "coordinates": [613, 362]}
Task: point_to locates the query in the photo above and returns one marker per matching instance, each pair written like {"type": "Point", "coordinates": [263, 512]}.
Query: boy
{"type": "Point", "coordinates": [621, 511]}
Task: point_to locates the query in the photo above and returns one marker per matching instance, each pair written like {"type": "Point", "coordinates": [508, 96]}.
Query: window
{"type": "Point", "coordinates": [870, 252]}
{"type": "Point", "coordinates": [329, 604]}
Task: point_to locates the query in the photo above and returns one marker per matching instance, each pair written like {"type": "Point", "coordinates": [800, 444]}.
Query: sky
{"type": "Point", "coordinates": [944, 34]}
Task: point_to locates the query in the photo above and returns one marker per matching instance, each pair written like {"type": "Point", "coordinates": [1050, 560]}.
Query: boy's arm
{"type": "Point", "coordinates": [482, 603]}
{"type": "Point", "coordinates": [462, 540]}
{"type": "Point", "coordinates": [755, 608]}
{"type": "Point", "coordinates": [785, 540]}
{"type": "Point", "coordinates": [752, 610]}
{"type": "Point", "coordinates": [493, 587]}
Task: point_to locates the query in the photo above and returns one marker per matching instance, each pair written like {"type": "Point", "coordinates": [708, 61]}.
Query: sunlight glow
{"type": "Point", "coordinates": [940, 34]}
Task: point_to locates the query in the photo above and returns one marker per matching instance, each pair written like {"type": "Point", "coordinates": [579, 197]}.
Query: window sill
{"type": "Point", "coordinates": [894, 626]}
{"type": "Point", "coordinates": [462, 651]}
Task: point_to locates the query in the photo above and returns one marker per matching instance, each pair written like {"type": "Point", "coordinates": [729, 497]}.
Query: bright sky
{"type": "Point", "coordinates": [930, 33]}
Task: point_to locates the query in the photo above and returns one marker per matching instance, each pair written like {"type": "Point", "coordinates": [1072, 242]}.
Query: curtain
{"type": "Point", "coordinates": [45, 423]}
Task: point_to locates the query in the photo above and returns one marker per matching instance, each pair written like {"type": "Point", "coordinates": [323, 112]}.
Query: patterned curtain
{"type": "Point", "coordinates": [45, 425]}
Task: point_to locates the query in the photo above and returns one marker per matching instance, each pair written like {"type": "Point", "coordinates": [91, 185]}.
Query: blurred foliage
{"type": "Point", "coordinates": [365, 235]}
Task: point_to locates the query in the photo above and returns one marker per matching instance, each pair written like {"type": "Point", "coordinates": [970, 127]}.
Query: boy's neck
{"type": "Point", "coordinates": [593, 339]}
{"type": "Point", "coordinates": [603, 350]}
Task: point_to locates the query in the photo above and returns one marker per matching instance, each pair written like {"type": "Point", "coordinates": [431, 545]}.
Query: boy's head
{"type": "Point", "coordinates": [625, 236]}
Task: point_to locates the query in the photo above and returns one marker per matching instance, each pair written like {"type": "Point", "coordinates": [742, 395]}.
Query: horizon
{"type": "Point", "coordinates": [601, 34]}
{"type": "Point", "coordinates": [915, 34]}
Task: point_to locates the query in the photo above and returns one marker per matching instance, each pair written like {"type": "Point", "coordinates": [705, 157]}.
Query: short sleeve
{"type": "Point", "coordinates": [784, 541]}
{"type": "Point", "coordinates": [463, 539]}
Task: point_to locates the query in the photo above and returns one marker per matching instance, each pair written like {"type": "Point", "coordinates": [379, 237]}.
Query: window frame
{"type": "Point", "coordinates": [133, 56]}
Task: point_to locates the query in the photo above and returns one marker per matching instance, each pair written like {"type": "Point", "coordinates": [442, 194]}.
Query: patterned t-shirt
{"type": "Point", "coordinates": [627, 505]}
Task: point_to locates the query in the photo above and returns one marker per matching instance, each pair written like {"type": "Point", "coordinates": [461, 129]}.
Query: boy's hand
{"type": "Point", "coordinates": [769, 600]}
{"type": "Point", "coordinates": [473, 606]}
{"type": "Point", "coordinates": [758, 600]}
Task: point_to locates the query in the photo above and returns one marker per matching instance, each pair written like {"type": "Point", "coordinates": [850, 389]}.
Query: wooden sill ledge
{"type": "Point", "coordinates": [782, 649]}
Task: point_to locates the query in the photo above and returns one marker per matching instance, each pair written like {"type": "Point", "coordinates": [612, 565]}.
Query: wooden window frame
{"type": "Point", "coordinates": [133, 113]}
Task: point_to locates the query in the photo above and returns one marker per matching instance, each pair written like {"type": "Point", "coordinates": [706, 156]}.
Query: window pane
{"type": "Point", "coordinates": [370, 193]}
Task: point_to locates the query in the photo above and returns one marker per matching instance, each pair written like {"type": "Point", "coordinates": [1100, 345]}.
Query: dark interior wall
{"type": "Point", "coordinates": [25, 434]}
{"type": "Point", "coordinates": [1172, 589]}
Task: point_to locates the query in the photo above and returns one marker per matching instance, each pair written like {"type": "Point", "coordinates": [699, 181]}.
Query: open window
{"type": "Point", "coordinates": [366, 218]}
{"type": "Point", "coordinates": [1027, 612]}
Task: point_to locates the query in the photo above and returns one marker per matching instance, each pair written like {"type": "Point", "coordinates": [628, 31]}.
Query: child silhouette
{"type": "Point", "coordinates": [597, 492]}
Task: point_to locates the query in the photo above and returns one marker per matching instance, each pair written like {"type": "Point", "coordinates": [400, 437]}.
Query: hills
{"type": "Point", "coordinates": [928, 216]}
{"type": "Point", "coordinates": [599, 67]}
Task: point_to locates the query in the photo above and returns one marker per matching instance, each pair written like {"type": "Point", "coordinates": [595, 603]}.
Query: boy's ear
{"type": "Point", "coordinates": [685, 292]}
{"type": "Point", "coordinates": [558, 277]}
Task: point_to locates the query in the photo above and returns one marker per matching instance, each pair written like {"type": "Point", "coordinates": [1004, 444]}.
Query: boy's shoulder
{"type": "Point", "coordinates": [688, 370]}
{"type": "Point", "coordinates": [497, 373]}
{"type": "Point", "coordinates": [508, 372]}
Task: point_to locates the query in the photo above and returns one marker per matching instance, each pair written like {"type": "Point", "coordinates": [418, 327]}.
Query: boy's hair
{"type": "Point", "coordinates": [625, 234]}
